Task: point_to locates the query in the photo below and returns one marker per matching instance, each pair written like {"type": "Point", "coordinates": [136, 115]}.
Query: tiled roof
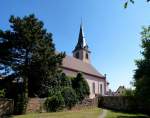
{"type": "Point", "coordinates": [78, 65]}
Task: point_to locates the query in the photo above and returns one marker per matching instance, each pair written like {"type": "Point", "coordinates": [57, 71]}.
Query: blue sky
{"type": "Point", "coordinates": [112, 33]}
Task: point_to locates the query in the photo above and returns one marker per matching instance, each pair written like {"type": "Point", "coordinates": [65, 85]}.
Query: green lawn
{"type": "Point", "coordinates": [87, 113]}
{"type": "Point", "coordinates": [113, 114]}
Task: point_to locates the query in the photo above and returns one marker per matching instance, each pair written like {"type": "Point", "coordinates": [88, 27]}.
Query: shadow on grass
{"type": "Point", "coordinates": [6, 116]}
{"type": "Point", "coordinates": [137, 115]}
{"type": "Point", "coordinates": [123, 116]}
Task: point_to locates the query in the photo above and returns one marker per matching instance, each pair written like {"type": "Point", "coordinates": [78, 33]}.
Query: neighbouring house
{"type": "Point", "coordinates": [81, 62]}
{"type": "Point", "coordinates": [110, 93]}
{"type": "Point", "coordinates": [120, 91]}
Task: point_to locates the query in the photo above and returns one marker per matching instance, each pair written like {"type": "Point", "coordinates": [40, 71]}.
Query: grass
{"type": "Point", "coordinates": [114, 114]}
{"type": "Point", "coordinates": [86, 113]}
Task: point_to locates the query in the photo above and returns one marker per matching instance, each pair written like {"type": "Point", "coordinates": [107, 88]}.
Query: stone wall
{"type": "Point", "coordinates": [122, 103]}
{"type": "Point", "coordinates": [86, 103]}
{"type": "Point", "coordinates": [6, 106]}
{"type": "Point", "coordinates": [37, 104]}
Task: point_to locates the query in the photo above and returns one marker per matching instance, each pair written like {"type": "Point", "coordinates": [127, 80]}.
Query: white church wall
{"type": "Point", "coordinates": [97, 83]}
{"type": "Point", "coordinates": [90, 79]}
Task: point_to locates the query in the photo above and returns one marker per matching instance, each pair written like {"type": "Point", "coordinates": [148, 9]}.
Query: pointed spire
{"type": "Point", "coordinates": [81, 40]}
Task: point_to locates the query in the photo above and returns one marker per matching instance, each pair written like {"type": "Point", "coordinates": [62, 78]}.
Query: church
{"type": "Point", "coordinates": [80, 62]}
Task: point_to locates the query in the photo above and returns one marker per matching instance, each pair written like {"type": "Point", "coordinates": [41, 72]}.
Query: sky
{"type": "Point", "coordinates": [112, 32]}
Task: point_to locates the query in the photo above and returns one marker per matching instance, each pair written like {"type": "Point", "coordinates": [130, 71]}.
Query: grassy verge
{"type": "Point", "coordinates": [86, 113]}
{"type": "Point", "coordinates": [113, 114]}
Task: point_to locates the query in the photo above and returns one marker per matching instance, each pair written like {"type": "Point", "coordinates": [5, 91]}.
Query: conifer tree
{"type": "Point", "coordinates": [28, 49]}
{"type": "Point", "coordinates": [81, 87]}
{"type": "Point", "coordinates": [142, 73]}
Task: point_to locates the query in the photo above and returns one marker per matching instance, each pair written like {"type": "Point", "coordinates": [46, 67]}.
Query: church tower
{"type": "Point", "coordinates": [81, 50]}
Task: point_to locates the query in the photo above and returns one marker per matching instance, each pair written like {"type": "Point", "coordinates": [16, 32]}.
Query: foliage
{"type": "Point", "coordinates": [55, 102]}
{"type": "Point", "coordinates": [58, 83]}
{"type": "Point", "coordinates": [72, 90]}
{"type": "Point", "coordinates": [81, 87]}
{"type": "Point", "coordinates": [65, 80]}
{"type": "Point", "coordinates": [131, 1]}
{"type": "Point", "coordinates": [129, 92]}
{"type": "Point", "coordinates": [69, 96]}
{"type": "Point", "coordinates": [142, 73]}
{"type": "Point", "coordinates": [28, 49]}
{"type": "Point", "coordinates": [2, 93]}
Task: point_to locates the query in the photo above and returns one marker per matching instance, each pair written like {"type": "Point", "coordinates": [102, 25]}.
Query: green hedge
{"type": "Point", "coordinates": [55, 103]}
{"type": "Point", "coordinates": [69, 96]}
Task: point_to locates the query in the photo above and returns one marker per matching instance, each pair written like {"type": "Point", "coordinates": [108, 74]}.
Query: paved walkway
{"type": "Point", "coordinates": [103, 113]}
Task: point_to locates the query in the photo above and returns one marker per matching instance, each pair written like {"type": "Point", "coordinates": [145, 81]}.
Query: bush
{"type": "Point", "coordinates": [2, 93]}
{"type": "Point", "coordinates": [54, 103]}
{"type": "Point", "coordinates": [129, 92]}
{"type": "Point", "coordinates": [65, 80]}
{"type": "Point", "coordinates": [70, 97]}
{"type": "Point", "coordinates": [81, 87]}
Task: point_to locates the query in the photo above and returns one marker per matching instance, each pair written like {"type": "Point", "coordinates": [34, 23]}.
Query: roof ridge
{"type": "Point", "coordinates": [72, 62]}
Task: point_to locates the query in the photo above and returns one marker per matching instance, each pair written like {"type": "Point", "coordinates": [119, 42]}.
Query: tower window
{"type": "Point", "coordinates": [77, 55]}
{"type": "Point", "coordinates": [87, 56]}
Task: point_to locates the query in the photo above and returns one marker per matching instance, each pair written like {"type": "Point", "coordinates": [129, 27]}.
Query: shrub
{"type": "Point", "coordinates": [70, 97]}
{"type": "Point", "coordinates": [2, 93]}
{"type": "Point", "coordinates": [65, 80]}
{"type": "Point", "coordinates": [54, 103]}
{"type": "Point", "coordinates": [81, 87]}
{"type": "Point", "coordinates": [129, 92]}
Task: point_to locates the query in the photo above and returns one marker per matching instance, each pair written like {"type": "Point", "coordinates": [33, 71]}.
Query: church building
{"type": "Point", "coordinates": [81, 62]}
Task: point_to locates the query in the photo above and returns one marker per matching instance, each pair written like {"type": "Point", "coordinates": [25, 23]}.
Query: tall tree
{"type": "Point", "coordinates": [142, 73]}
{"type": "Point", "coordinates": [28, 49]}
{"type": "Point", "coordinates": [81, 87]}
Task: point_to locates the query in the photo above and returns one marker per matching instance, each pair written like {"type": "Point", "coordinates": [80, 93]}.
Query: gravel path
{"type": "Point", "coordinates": [103, 114]}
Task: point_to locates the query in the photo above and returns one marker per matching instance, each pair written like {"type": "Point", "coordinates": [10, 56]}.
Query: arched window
{"type": "Point", "coordinates": [93, 86]}
{"type": "Point", "coordinates": [101, 89]}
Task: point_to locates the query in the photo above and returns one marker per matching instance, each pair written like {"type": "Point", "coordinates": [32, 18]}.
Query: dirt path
{"type": "Point", "coordinates": [103, 114]}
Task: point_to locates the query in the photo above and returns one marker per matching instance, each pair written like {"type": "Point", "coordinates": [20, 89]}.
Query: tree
{"type": "Point", "coordinates": [81, 87]}
{"type": "Point", "coordinates": [65, 80]}
{"type": "Point", "coordinates": [55, 102]}
{"type": "Point", "coordinates": [69, 96]}
{"type": "Point", "coordinates": [142, 73]}
{"type": "Point", "coordinates": [129, 92]}
{"type": "Point", "coordinates": [28, 49]}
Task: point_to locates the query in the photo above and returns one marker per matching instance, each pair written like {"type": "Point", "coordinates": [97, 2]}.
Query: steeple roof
{"type": "Point", "coordinates": [81, 40]}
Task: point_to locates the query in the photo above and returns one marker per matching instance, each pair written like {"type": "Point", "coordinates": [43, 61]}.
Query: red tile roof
{"type": "Point", "coordinates": [78, 65]}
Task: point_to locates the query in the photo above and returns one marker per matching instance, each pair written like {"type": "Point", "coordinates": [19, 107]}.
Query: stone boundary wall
{"type": "Point", "coordinates": [86, 103]}
{"type": "Point", "coordinates": [120, 103]}
{"type": "Point", "coordinates": [6, 106]}
{"type": "Point", "coordinates": [37, 104]}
